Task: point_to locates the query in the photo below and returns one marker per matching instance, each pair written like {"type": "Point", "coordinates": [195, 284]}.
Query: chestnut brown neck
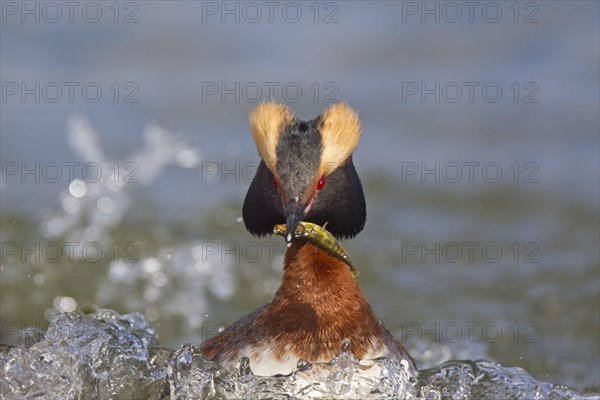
{"type": "Point", "coordinates": [318, 305]}
{"type": "Point", "coordinates": [314, 277]}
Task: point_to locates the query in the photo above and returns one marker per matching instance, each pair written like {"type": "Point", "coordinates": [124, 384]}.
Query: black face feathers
{"type": "Point", "coordinates": [262, 208]}
{"type": "Point", "coordinates": [341, 203]}
{"type": "Point", "coordinates": [299, 154]}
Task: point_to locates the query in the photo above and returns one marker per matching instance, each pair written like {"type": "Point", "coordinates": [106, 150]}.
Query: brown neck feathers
{"type": "Point", "coordinates": [318, 305]}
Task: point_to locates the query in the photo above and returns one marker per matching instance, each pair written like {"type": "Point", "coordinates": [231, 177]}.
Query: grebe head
{"type": "Point", "coordinates": [306, 171]}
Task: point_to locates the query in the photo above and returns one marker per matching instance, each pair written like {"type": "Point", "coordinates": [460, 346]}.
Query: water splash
{"type": "Point", "coordinates": [167, 280]}
{"type": "Point", "coordinates": [91, 212]}
{"type": "Point", "coordinates": [343, 377]}
{"type": "Point", "coordinates": [107, 355]}
{"type": "Point", "coordinates": [91, 208]}
{"type": "Point", "coordinates": [103, 355]}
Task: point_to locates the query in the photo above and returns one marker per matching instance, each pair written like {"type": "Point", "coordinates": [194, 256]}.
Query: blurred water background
{"type": "Point", "coordinates": [483, 206]}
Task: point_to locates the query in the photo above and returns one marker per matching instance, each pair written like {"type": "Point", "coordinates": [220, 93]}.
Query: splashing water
{"type": "Point", "coordinates": [106, 355]}
{"type": "Point", "coordinates": [91, 211]}
{"type": "Point", "coordinates": [91, 208]}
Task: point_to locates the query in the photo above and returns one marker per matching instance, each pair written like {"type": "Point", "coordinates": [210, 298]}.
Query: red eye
{"type": "Point", "coordinates": [275, 183]}
{"type": "Point", "coordinates": [321, 183]}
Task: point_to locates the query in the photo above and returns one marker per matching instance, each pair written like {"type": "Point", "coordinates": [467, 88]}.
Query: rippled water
{"type": "Point", "coordinates": [161, 233]}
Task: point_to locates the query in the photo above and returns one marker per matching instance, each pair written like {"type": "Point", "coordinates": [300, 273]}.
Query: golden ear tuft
{"type": "Point", "coordinates": [267, 122]}
{"type": "Point", "coordinates": [340, 132]}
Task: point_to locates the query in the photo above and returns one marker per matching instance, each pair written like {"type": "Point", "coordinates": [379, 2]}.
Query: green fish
{"type": "Point", "coordinates": [320, 237]}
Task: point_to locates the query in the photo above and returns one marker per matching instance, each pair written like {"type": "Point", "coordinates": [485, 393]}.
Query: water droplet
{"type": "Point", "coordinates": [187, 158]}
{"type": "Point", "coordinates": [71, 204]}
{"type": "Point", "coordinates": [121, 272]}
{"type": "Point", "coordinates": [39, 279]}
{"type": "Point", "coordinates": [152, 314]}
{"type": "Point", "coordinates": [105, 204]}
{"type": "Point", "coordinates": [78, 188]}
{"type": "Point", "coordinates": [65, 304]}
{"type": "Point", "coordinates": [151, 266]}
{"type": "Point", "coordinates": [160, 279]}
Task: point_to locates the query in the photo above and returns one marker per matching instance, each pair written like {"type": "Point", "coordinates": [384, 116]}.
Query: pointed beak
{"type": "Point", "coordinates": [294, 213]}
